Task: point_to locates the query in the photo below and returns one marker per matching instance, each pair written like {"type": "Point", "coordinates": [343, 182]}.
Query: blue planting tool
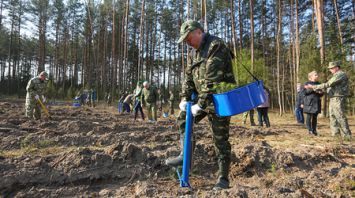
{"type": "Point", "coordinates": [184, 178]}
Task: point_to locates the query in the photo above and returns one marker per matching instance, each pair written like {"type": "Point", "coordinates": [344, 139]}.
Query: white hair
{"type": "Point", "coordinates": [145, 83]}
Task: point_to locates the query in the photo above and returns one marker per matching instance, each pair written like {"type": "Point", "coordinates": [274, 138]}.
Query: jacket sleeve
{"type": "Point", "coordinates": [336, 79]}
{"type": "Point", "coordinates": [217, 54]}
{"type": "Point", "coordinates": [30, 88]}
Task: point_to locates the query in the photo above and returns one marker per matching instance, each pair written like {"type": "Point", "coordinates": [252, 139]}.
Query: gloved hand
{"type": "Point", "coordinates": [195, 109]}
{"type": "Point", "coordinates": [43, 98]}
{"type": "Point", "coordinates": [36, 97]}
{"type": "Point", "coordinates": [182, 105]}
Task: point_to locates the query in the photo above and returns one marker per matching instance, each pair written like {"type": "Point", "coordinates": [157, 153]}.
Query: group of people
{"type": "Point", "coordinates": [147, 97]}
{"type": "Point", "coordinates": [263, 112]}
{"type": "Point", "coordinates": [308, 101]}
{"type": "Point", "coordinates": [209, 64]}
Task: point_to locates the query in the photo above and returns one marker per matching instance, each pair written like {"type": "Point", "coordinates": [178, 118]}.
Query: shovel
{"type": "Point", "coordinates": [44, 108]}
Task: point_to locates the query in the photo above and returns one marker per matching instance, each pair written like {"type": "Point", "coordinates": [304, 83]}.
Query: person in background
{"type": "Point", "coordinates": [36, 88]}
{"type": "Point", "coordinates": [149, 99]}
{"type": "Point", "coordinates": [137, 104]}
{"type": "Point", "coordinates": [299, 106]}
{"type": "Point", "coordinates": [126, 103]}
{"type": "Point", "coordinates": [120, 102]}
{"type": "Point", "coordinates": [263, 109]}
{"type": "Point", "coordinates": [338, 90]}
{"type": "Point", "coordinates": [312, 103]}
{"type": "Point", "coordinates": [251, 117]}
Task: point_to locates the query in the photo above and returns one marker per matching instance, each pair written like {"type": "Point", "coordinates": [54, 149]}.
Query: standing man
{"type": "Point", "coordinates": [171, 102]}
{"type": "Point", "coordinates": [36, 89]}
{"type": "Point", "coordinates": [337, 89]}
{"type": "Point", "coordinates": [210, 63]}
{"type": "Point", "coordinates": [149, 101]}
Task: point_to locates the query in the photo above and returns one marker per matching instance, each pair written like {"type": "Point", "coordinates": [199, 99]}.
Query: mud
{"type": "Point", "coordinates": [85, 152]}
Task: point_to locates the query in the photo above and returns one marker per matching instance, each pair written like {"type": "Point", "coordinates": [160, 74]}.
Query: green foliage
{"type": "Point", "coordinates": [243, 59]}
{"type": "Point", "coordinates": [51, 91]}
{"type": "Point", "coordinates": [309, 57]}
{"type": "Point", "coordinates": [60, 93]}
{"type": "Point", "coordinates": [224, 87]}
{"type": "Point", "coordinates": [71, 92]}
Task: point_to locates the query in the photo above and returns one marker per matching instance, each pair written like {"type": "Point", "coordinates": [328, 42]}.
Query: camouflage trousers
{"type": "Point", "coordinates": [33, 109]}
{"type": "Point", "coordinates": [251, 116]}
{"type": "Point", "coordinates": [338, 120]}
{"type": "Point", "coordinates": [220, 135]}
{"type": "Point", "coordinates": [151, 109]}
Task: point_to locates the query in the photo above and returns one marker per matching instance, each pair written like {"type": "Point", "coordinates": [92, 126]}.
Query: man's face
{"type": "Point", "coordinates": [42, 77]}
{"type": "Point", "coordinates": [194, 38]}
{"type": "Point", "coordinates": [334, 70]}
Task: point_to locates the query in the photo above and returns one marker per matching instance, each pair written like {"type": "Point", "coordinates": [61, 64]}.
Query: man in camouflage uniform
{"type": "Point", "coordinates": [210, 63]}
{"type": "Point", "coordinates": [337, 89]}
{"type": "Point", "coordinates": [36, 88]}
{"type": "Point", "coordinates": [149, 99]}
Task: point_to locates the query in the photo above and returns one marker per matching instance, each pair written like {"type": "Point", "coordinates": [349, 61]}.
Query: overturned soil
{"type": "Point", "coordinates": [96, 152]}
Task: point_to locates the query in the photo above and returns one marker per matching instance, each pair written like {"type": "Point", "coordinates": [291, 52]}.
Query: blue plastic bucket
{"type": "Point", "coordinates": [239, 100]}
{"type": "Point", "coordinates": [76, 102]}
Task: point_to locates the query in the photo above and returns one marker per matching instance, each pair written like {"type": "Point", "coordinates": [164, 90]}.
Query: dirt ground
{"type": "Point", "coordinates": [96, 152]}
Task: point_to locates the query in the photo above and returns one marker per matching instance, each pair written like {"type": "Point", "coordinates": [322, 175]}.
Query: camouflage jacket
{"type": "Point", "coordinates": [337, 86]}
{"type": "Point", "coordinates": [35, 87]}
{"type": "Point", "coordinates": [209, 65]}
{"type": "Point", "coordinates": [149, 96]}
{"type": "Point", "coordinates": [138, 93]}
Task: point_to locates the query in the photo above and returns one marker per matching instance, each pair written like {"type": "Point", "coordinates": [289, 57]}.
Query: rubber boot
{"type": "Point", "coordinates": [177, 161]}
{"type": "Point", "coordinates": [222, 182]}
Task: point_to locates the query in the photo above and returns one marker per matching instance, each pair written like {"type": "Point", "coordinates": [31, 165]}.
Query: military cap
{"type": "Point", "coordinates": [43, 73]}
{"type": "Point", "coordinates": [334, 64]}
{"type": "Point", "coordinates": [187, 27]}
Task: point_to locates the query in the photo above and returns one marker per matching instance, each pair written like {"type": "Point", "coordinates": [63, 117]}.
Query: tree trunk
{"type": "Point", "coordinates": [339, 26]}
{"type": "Point", "coordinates": [141, 36]}
{"type": "Point", "coordinates": [278, 40]}
{"type": "Point", "coordinates": [319, 11]}
{"type": "Point", "coordinates": [252, 35]}
{"type": "Point", "coordinates": [240, 26]}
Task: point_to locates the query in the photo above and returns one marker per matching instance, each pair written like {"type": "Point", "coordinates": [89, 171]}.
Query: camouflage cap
{"type": "Point", "coordinates": [187, 27]}
{"type": "Point", "coordinates": [334, 64]}
{"type": "Point", "coordinates": [43, 74]}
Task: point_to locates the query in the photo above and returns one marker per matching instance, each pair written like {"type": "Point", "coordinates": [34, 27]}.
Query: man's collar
{"type": "Point", "coordinates": [204, 40]}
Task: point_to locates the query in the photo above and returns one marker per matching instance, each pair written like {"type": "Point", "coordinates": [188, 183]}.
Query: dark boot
{"type": "Point", "coordinates": [177, 161]}
{"type": "Point", "coordinates": [222, 182]}
{"type": "Point", "coordinates": [267, 122]}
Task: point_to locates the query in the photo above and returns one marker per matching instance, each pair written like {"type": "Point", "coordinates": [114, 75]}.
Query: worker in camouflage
{"type": "Point", "coordinates": [210, 63]}
{"type": "Point", "coordinates": [149, 99]}
{"type": "Point", "coordinates": [337, 89]}
{"type": "Point", "coordinates": [36, 88]}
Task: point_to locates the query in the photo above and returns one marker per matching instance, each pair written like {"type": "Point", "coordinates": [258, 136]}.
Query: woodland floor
{"type": "Point", "coordinates": [96, 152]}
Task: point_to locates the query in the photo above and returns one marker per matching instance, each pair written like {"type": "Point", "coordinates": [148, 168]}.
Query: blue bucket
{"type": "Point", "coordinates": [76, 102]}
{"type": "Point", "coordinates": [239, 100]}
